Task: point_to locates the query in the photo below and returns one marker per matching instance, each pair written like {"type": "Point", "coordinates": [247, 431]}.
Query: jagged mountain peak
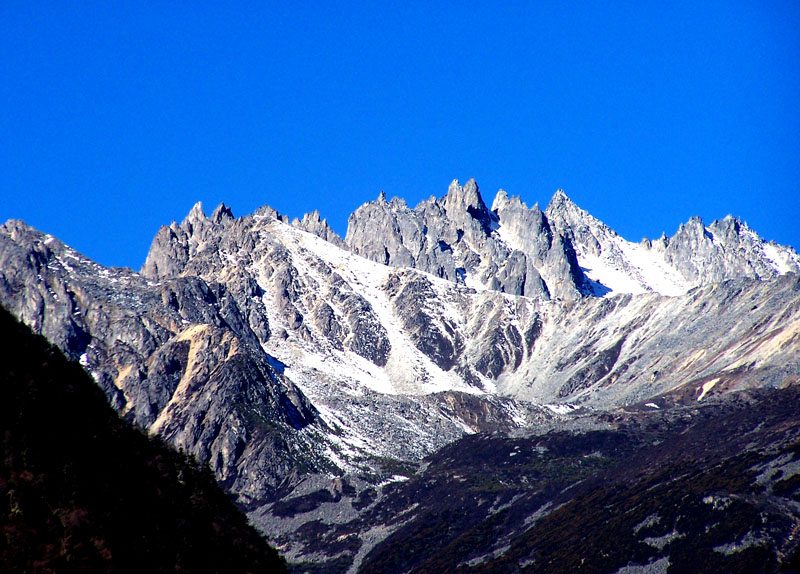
{"type": "Point", "coordinates": [458, 238]}
{"type": "Point", "coordinates": [314, 223]}
{"type": "Point", "coordinates": [728, 225]}
{"type": "Point", "coordinates": [468, 195]}
{"type": "Point", "coordinates": [500, 199]}
{"type": "Point", "coordinates": [560, 198]}
{"type": "Point", "coordinates": [732, 225]}
{"type": "Point", "coordinates": [466, 199]}
{"type": "Point", "coordinates": [15, 227]}
{"type": "Point", "coordinates": [266, 351]}
{"type": "Point", "coordinates": [311, 216]}
{"type": "Point", "coordinates": [196, 213]}
{"type": "Point", "coordinates": [726, 248]}
{"type": "Point", "coordinates": [564, 246]}
{"type": "Point", "coordinates": [391, 203]}
{"type": "Point", "coordinates": [695, 221]}
{"type": "Point", "coordinates": [697, 254]}
{"type": "Point", "coordinates": [174, 245]}
{"type": "Point", "coordinates": [562, 205]}
{"type": "Point", "coordinates": [504, 201]}
{"type": "Point", "coordinates": [563, 209]}
{"type": "Point", "coordinates": [563, 251]}
{"type": "Point", "coordinates": [221, 212]}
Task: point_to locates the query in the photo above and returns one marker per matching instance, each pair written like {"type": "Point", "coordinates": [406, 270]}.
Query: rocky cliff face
{"type": "Point", "coordinates": [85, 492]}
{"type": "Point", "coordinates": [695, 255]}
{"type": "Point", "coordinates": [281, 356]}
{"type": "Point", "coordinates": [313, 223]}
{"type": "Point", "coordinates": [456, 237]}
{"type": "Point", "coordinates": [176, 357]}
{"type": "Point", "coordinates": [561, 253]}
{"type": "Point", "coordinates": [724, 249]}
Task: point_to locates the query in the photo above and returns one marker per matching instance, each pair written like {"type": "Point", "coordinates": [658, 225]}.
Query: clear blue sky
{"type": "Point", "coordinates": [115, 117]}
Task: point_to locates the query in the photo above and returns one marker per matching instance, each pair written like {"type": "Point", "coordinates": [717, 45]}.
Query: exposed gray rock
{"type": "Point", "coordinates": [725, 249]}
{"type": "Point", "coordinates": [552, 265]}
{"type": "Point", "coordinates": [456, 238]}
{"type": "Point", "coordinates": [313, 223]}
{"type": "Point", "coordinates": [695, 255]}
{"type": "Point", "coordinates": [175, 357]}
{"type": "Point", "coordinates": [273, 354]}
{"type": "Point", "coordinates": [436, 337]}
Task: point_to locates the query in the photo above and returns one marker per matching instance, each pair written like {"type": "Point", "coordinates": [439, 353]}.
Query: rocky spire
{"type": "Point", "coordinates": [456, 237]}
{"type": "Point", "coordinates": [221, 213]}
{"type": "Point", "coordinates": [196, 214]}
{"type": "Point", "coordinates": [461, 202]}
{"type": "Point", "coordinates": [561, 206]}
{"type": "Point", "coordinates": [313, 223]}
{"type": "Point", "coordinates": [173, 246]}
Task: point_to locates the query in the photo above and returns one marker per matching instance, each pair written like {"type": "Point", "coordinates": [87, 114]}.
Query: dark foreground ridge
{"type": "Point", "coordinates": [81, 490]}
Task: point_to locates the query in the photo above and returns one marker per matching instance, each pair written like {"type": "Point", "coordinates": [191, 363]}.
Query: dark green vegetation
{"type": "Point", "coordinates": [705, 488]}
{"type": "Point", "coordinates": [80, 490]}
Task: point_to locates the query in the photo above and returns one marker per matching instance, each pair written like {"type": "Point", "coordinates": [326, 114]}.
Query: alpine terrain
{"type": "Point", "coordinates": [455, 386]}
{"type": "Point", "coordinates": [85, 492]}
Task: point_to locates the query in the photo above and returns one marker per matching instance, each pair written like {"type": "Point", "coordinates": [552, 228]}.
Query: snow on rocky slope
{"type": "Point", "coordinates": [695, 255]}
{"type": "Point", "coordinates": [562, 252]}
{"type": "Point", "coordinates": [275, 350]}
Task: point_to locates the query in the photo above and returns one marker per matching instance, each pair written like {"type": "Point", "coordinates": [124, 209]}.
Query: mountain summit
{"type": "Point", "coordinates": [563, 252]}
{"type": "Point", "coordinates": [310, 373]}
{"type": "Point", "coordinates": [457, 238]}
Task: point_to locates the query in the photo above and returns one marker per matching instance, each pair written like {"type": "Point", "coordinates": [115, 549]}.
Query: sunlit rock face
{"type": "Point", "coordinates": [281, 355]}
{"type": "Point", "coordinates": [509, 248]}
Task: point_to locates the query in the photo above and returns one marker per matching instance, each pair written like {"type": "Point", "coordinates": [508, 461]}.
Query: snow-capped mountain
{"type": "Point", "coordinates": [562, 252]}
{"type": "Point", "coordinates": [695, 255]}
{"type": "Point", "coordinates": [276, 351]}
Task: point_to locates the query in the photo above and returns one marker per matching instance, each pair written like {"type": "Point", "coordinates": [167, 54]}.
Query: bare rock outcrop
{"type": "Point", "coordinates": [457, 238]}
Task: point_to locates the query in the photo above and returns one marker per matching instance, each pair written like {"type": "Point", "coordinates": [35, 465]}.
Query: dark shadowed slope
{"type": "Point", "coordinates": [708, 489]}
{"type": "Point", "coordinates": [80, 490]}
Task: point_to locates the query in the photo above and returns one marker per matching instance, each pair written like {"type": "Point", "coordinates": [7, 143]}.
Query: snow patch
{"type": "Point", "coordinates": [392, 479]}
{"type": "Point", "coordinates": [778, 259]}
{"type": "Point", "coordinates": [653, 270]}
{"type": "Point", "coordinates": [625, 267]}
{"type": "Point", "coordinates": [562, 409]}
{"type": "Point", "coordinates": [408, 371]}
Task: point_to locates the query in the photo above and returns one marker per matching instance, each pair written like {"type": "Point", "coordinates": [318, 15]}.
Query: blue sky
{"type": "Point", "coordinates": [117, 117]}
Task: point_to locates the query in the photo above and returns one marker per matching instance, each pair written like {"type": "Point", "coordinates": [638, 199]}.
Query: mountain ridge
{"type": "Point", "coordinates": [281, 355]}
{"type": "Point", "coordinates": [662, 265]}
